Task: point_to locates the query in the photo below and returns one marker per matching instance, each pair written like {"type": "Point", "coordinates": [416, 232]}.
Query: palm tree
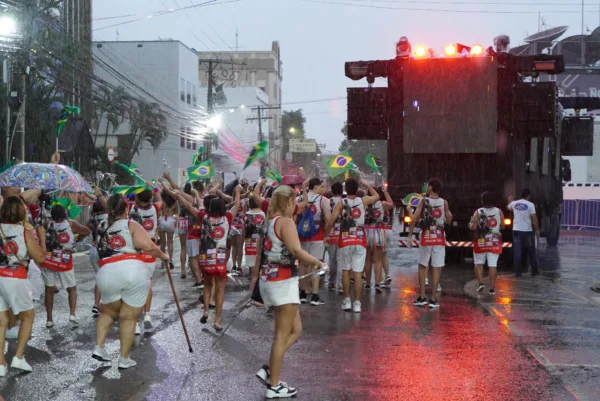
{"type": "Point", "coordinates": [148, 123]}
{"type": "Point", "coordinates": [112, 105]}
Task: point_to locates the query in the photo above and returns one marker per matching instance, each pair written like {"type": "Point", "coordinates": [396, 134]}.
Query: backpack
{"type": "Point", "coordinates": [249, 225]}
{"type": "Point", "coordinates": [206, 240]}
{"type": "Point", "coordinates": [306, 226]}
{"type": "Point", "coordinates": [483, 227]}
{"type": "Point", "coordinates": [52, 238]}
{"type": "Point", "coordinates": [346, 220]}
{"type": "Point", "coordinates": [369, 219]}
{"type": "Point", "coordinates": [427, 219]}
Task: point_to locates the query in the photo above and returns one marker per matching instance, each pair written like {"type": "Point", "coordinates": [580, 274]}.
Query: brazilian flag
{"type": "Point", "coordinates": [72, 209]}
{"type": "Point", "coordinates": [273, 175]}
{"type": "Point", "coordinates": [259, 151]}
{"type": "Point", "coordinates": [134, 172]}
{"type": "Point", "coordinates": [339, 164]}
{"type": "Point", "coordinates": [128, 190]}
{"type": "Point", "coordinates": [201, 171]}
{"type": "Point", "coordinates": [375, 163]}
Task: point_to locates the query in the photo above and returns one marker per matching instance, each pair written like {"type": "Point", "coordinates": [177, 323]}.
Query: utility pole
{"type": "Point", "coordinates": [261, 137]}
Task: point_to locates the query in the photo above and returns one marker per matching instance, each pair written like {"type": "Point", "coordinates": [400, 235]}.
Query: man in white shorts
{"type": "Point", "coordinates": [487, 223]}
{"type": "Point", "coordinates": [315, 246]}
{"type": "Point", "coordinates": [352, 246]}
{"type": "Point", "coordinates": [432, 213]}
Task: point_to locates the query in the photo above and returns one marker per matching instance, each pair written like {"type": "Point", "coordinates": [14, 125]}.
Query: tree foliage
{"type": "Point", "coordinates": [359, 149]}
{"type": "Point", "coordinates": [147, 124]}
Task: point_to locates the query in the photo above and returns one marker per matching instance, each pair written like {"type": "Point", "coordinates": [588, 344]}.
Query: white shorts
{"type": "Point", "coordinates": [314, 248]}
{"type": "Point", "coordinates": [51, 278]}
{"type": "Point", "coordinates": [389, 237]}
{"type": "Point", "coordinates": [250, 260]}
{"type": "Point", "coordinates": [192, 247]}
{"type": "Point", "coordinates": [151, 267]}
{"type": "Point", "coordinates": [16, 294]}
{"type": "Point", "coordinates": [167, 224]}
{"type": "Point", "coordinates": [352, 258]}
{"type": "Point", "coordinates": [492, 259]}
{"type": "Point", "coordinates": [435, 254]}
{"type": "Point", "coordinates": [277, 293]}
{"type": "Point", "coordinates": [127, 280]}
{"type": "Point", "coordinates": [182, 226]}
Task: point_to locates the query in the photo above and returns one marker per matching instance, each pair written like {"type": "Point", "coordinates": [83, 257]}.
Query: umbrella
{"type": "Point", "coordinates": [49, 177]}
{"type": "Point", "coordinates": [292, 180]}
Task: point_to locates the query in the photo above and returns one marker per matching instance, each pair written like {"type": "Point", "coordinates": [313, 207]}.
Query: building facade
{"type": "Point", "coordinates": [254, 69]}
{"type": "Point", "coordinates": [165, 73]}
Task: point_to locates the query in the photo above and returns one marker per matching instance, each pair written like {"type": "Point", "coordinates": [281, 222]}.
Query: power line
{"type": "Point", "coordinates": [476, 3]}
{"type": "Point", "coordinates": [339, 3]}
{"type": "Point", "coordinates": [165, 12]}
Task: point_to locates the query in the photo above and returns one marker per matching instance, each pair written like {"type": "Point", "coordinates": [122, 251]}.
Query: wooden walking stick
{"type": "Point", "coordinates": [178, 308]}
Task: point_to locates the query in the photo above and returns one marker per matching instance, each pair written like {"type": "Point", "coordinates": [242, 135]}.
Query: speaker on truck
{"type": "Point", "coordinates": [367, 113]}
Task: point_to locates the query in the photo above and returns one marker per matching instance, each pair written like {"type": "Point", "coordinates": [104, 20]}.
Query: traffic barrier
{"type": "Point", "coordinates": [580, 215]}
{"type": "Point", "coordinates": [451, 244]}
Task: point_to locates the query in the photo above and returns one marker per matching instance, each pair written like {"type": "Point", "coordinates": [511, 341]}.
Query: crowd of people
{"type": "Point", "coordinates": [279, 235]}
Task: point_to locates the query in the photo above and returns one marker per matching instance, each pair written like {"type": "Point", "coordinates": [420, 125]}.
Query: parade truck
{"type": "Point", "coordinates": [479, 120]}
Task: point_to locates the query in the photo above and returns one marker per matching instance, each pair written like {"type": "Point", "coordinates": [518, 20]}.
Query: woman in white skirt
{"type": "Point", "coordinates": [167, 223]}
{"type": "Point", "coordinates": [123, 278]}
{"type": "Point", "coordinates": [17, 248]}
{"type": "Point", "coordinates": [279, 250]}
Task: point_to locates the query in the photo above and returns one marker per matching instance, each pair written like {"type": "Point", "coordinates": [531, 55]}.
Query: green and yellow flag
{"type": "Point", "coordinates": [259, 151]}
{"type": "Point", "coordinates": [339, 164]}
{"type": "Point", "coordinates": [201, 171]}
{"type": "Point", "coordinates": [64, 116]}
{"type": "Point", "coordinates": [72, 209]}
{"type": "Point", "coordinates": [273, 175]}
{"type": "Point", "coordinates": [197, 158]}
{"type": "Point", "coordinates": [127, 189]}
{"type": "Point", "coordinates": [375, 163]}
{"type": "Point", "coordinates": [134, 172]}
{"type": "Point", "coordinates": [7, 166]}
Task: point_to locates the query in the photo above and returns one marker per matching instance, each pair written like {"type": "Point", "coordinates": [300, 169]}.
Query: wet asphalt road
{"type": "Point", "coordinates": [538, 339]}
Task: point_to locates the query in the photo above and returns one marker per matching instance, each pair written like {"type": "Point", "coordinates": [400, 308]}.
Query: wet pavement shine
{"type": "Point", "coordinates": [537, 339]}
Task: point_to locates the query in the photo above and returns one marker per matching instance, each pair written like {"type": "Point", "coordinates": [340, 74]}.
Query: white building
{"type": "Point", "coordinates": [254, 69]}
{"type": "Point", "coordinates": [163, 72]}
{"type": "Point", "coordinates": [237, 135]}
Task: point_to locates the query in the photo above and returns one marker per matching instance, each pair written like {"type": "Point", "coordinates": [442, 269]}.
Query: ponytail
{"type": "Point", "coordinates": [117, 205]}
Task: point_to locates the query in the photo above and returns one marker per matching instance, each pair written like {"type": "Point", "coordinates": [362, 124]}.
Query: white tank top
{"type": "Point", "coordinates": [357, 210]}
{"type": "Point", "coordinates": [119, 238]}
{"type": "Point", "coordinates": [438, 211]}
{"type": "Point", "coordinates": [492, 215]}
{"type": "Point", "coordinates": [274, 250]}
{"type": "Point", "coordinates": [15, 248]}
{"type": "Point", "coordinates": [149, 215]}
{"type": "Point", "coordinates": [314, 203]}
{"type": "Point", "coordinates": [378, 213]}
{"type": "Point", "coordinates": [64, 234]}
{"type": "Point", "coordinates": [219, 230]}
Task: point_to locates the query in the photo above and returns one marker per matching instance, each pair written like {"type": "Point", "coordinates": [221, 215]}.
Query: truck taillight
{"type": "Point", "coordinates": [507, 222]}
{"type": "Point", "coordinates": [407, 219]}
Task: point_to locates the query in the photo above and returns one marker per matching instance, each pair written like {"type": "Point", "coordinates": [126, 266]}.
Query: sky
{"type": "Point", "coordinates": [318, 36]}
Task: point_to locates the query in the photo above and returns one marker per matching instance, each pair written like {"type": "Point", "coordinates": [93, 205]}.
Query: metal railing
{"type": "Point", "coordinates": [581, 215]}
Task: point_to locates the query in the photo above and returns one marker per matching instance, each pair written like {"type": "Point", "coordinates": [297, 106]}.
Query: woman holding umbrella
{"type": "Point", "coordinates": [18, 246]}
{"type": "Point", "coordinates": [123, 278]}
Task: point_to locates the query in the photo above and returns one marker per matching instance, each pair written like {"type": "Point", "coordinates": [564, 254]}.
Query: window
{"type": "Point", "coordinates": [189, 93]}
{"type": "Point", "coordinates": [182, 89]}
{"type": "Point", "coordinates": [192, 141]}
{"type": "Point", "coordinates": [194, 99]}
{"type": "Point", "coordinates": [182, 137]}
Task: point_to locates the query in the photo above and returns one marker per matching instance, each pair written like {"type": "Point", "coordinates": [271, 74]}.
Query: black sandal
{"type": "Point", "coordinates": [218, 327]}
{"type": "Point", "coordinates": [204, 319]}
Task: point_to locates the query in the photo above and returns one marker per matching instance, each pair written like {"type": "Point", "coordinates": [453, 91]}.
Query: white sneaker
{"type": "Point", "coordinates": [138, 330]}
{"type": "Point", "coordinates": [147, 321]}
{"type": "Point", "coordinates": [3, 370]}
{"type": "Point", "coordinates": [12, 334]}
{"type": "Point", "coordinates": [126, 363]}
{"type": "Point", "coordinates": [346, 304]}
{"type": "Point", "coordinates": [21, 364]}
{"type": "Point", "coordinates": [73, 321]}
{"type": "Point", "coordinates": [426, 281]}
{"type": "Point", "coordinates": [280, 391]}
{"type": "Point", "coordinates": [439, 289]}
{"type": "Point", "coordinates": [357, 307]}
{"type": "Point", "coordinates": [49, 324]}
{"type": "Point", "coordinates": [100, 354]}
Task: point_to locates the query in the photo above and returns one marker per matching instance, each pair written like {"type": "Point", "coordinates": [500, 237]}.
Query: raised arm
{"type": "Point", "coordinates": [188, 205]}
{"type": "Point", "coordinates": [170, 180]}
{"type": "Point", "coordinates": [258, 190]}
{"type": "Point", "coordinates": [78, 228]}
{"type": "Point", "coordinates": [236, 206]}
{"type": "Point", "coordinates": [369, 200]}
{"type": "Point", "coordinates": [101, 199]}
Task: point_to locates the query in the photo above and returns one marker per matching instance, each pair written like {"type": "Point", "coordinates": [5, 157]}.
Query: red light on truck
{"type": "Point", "coordinates": [450, 50]}
{"type": "Point", "coordinates": [476, 50]}
{"type": "Point", "coordinates": [420, 51]}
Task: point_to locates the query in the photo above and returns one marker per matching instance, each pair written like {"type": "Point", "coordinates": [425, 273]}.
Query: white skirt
{"type": "Point", "coordinates": [277, 293]}
{"type": "Point", "coordinates": [127, 280]}
{"type": "Point", "coordinates": [34, 274]}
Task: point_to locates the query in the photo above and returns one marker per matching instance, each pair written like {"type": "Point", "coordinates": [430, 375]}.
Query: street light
{"type": "Point", "coordinates": [7, 25]}
{"type": "Point", "coordinates": [292, 130]}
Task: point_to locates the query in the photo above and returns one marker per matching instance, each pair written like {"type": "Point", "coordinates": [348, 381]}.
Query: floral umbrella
{"type": "Point", "coordinates": [49, 177]}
